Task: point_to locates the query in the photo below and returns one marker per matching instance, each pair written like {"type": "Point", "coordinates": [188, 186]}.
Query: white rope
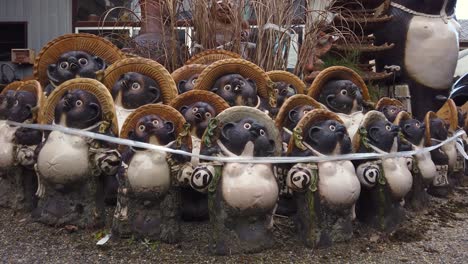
{"type": "Point", "coordinates": [410, 11]}
{"type": "Point", "coordinates": [273, 160]}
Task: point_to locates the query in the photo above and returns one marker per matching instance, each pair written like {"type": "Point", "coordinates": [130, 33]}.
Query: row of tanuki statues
{"type": "Point", "coordinates": [220, 106]}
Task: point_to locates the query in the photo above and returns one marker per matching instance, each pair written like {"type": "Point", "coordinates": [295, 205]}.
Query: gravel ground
{"type": "Point", "coordinates": [438, 235]}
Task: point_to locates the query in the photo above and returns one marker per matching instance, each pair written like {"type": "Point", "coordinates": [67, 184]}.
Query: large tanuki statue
{"type": "Point", "coordinates": [425, 34]}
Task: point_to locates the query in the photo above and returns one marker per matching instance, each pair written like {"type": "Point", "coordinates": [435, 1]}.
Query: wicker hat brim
{"type": "Point", "coordinates": [386, 101]}
{"type": "Point", "coordinates": [370, 116]}
{"type": "Point", "coordinates": [287, 77]}
{"type": "Point", "coordinates": [312, 117]}
{"type": "Point", "coordinates": [194, 96]}
{"type": "Point", "coordinates": [90, 43]}
{"type": "Point", "coordinates": [337, 73]}
{"type": "Point", "coordinates": [291, 103]}
{"type": "Point", "coordinates": [164, 111]}
{"type": "Point", "coordinates": [47, 113]}
{"type": "Point", "coordinates": [237, 113]}
{"type": "Point", "coordinates": [187, 71]}
{"type": "Point", "coordinates": [144, 66]}
{"type": "Point", "coordinates": [247, 69]}
{"type": "Point", "coordinates": [12, 86]}
{"type": "Point", "coordinates": [449, 113]}
{"type": "Point", "coordinates": [35, 87]}
{"type": "Point", "coordinates": [427, 123]}
{"type": "Point", "coordinates": [209, 56]}
{"type": "Point", "coordinates": [402, 116]}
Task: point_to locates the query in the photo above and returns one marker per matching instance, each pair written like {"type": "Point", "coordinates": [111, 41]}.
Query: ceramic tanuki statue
{"type": "Point", "coordinates": [449, 113]}
{"type": "Point", "coordinates": [415, 22]}
{"type": "Point", "coordinates": [186, 76]}
{"type": "Point", "coordinates": [73, 56]}
{"type": "Point", "coordinates": [436, 131]}
{"type": "Point", "coordinates": [148, 201]}
{"type": "Point", "coordinates": [135, 82]}
{"type": "Point", "coordinates": [344, 92]}
{"type": "Point", "coordinates": [325, 193]}
{"type": "Point", "coordinates": [70, 167]}
{"type": "Point", "coordinates": [385, 181]}
{"type": "Point", "coordinates": [241, 196]}
{"type": "Point", "coordinates": [421, 165]}
{"type": "Point", "coordinates": [19, 182]}
{"type": "Point", "coordinates": [239, 82]}
{"type": "Point", "coordinates": [289, 115]}
{"type": "Point", "coordinates": [389, 107]}
{"type": "Point", "coordinates": [198, 108]}
{"type": "Point", "coordinates": [286, 85]}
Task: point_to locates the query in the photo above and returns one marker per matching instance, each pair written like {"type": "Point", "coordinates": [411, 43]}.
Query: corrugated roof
{"type": "Point", "coordinates": [464, 29]}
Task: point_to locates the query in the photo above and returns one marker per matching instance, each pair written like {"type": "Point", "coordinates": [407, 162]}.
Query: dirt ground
{"type": "Point", "coordinates": [437, 235]}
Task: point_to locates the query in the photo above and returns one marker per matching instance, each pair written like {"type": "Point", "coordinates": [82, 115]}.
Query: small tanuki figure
{"type": "Point", "coordinates": [389, 107]}
{"type": "Point", "coordinates": [289, 115]}
{"type": "Point", "coordinates": [148, 203]}
{"type": "Point", "coordinates": [198, 108]}
{"type": "Point", "coordinates": [135, 82]}
{"type": "Point", "coordinates": [286, 85]}
{"type": "Point", "coordinates": [186, 76]}
{"type": "Point", "coordinates": [20, 105]}
{"type": "Point", "coordinates": [70, 167]}
{"type": "Point", "coordinates": [421, 165]}
{"type": "Point", "coordinates": [241, 196]}
{"type": "Point", "coordinates": [239, 82]}
{"type": "Point", "coordinates": [325, 192]}
{"type": "Point", "coordinates": [436, 132]}
{"type": "Point", "coordinates": [450, 114]}
{"type": "Point", "coordinates": [343, 92]}
{"type": "Point", "coordinates": [74, 56]}
{"type": "Point", "coordinates": [385, 181]}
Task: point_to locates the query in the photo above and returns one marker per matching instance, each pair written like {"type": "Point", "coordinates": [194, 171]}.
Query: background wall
{"type": "Point", "coordinates": [47, 19]}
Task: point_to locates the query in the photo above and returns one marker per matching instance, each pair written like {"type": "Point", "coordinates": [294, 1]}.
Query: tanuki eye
{"type": "Point", "coordinates": [155, 122]}
{"type": "Point", "coordinates": [83, 61]}
{"type": "Point", "coordinates": [141, 128]}
{"type": "Point", "coordinates": [418, 124]}
{"type": "Point", "coordinates": [262, 132]}
{"type": "Point", "coordinates": [247, 125]}
{"type": "Point", "coordinates": [344, 92]}
{"type": "Point", "coordinates": [332, 127]}
{"type": "Point", "coordinates": [79, 103]}
{"type": "Point", "coordinates": [195, 109]}
{"type": "Point", "coordinates": [276, 91]}
{"type": "Point", "coordinates": [64, 65]}
{"type": "Point", "coordinates": [388, 127]}
{"type": "Point", "coordinates": [135, 86]}
{"type": "Point", "coordinates": [208, 115]}
{"type": "Point", "coordinates": [227, 87]}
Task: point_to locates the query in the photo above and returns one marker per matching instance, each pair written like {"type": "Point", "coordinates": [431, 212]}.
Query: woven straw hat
{"type": "Point", "coordinates": [35, 87]}
{"type": "Point", "coordinates": [237, 113]}
{"type": "Point", "coordinates": [337, 73]}
{"type": "Point", "coordinates": [47, 113]}
{"type": "Point", "coordinates": [314, 116]}
{"type": "Point", "coordinates": [90, 43]}
{"type": "Point", "coordinates": [164, 111]}
{"type": "Point", "coordinates": [209, 56]}
{"type": "Point", "coordinates": [370, 116]}
{"type": "Point", "coordinates": [402, 116]}
{"type": "Point", "coordinates": [386, 101]}
{"type": "Point", "coordinates": [186, 71]}
{"type": "Point", "coordinates": [194, 96]}
{"type": "Point", "coordinates": [291, 103]}
{"type": "Point", "coordinates": [449, 113]}
{"type": "Point", "coordinates": [287, 77]}
{"type": "Point", "coordinates": [147, 67]}
{"type": "Point", "coordinates": [247, 69]}
{"type": "Point", "coordinates": [12, 86]}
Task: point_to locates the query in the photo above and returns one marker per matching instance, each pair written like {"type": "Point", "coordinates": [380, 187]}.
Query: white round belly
{"type": "Point", "coordinates": [398, 177]}
{"type": "Point", "coordinates": [249, 186]}
{"type": "Point", "coordinates": [148, 171]}
{"type": "Point", "coordinates": [338, 183]}
{"type": "Point", "coordinates": [351, 122]}
{"type": "Point", "coordinates": [122, 115]}
{"type": "Point", "coordinates": [7, 135]}
{"type": "Point", "coordinates": [431, 52]}
{"type": "Point", "coordinates": [451, 151]}
{"type": "Point", "coordinates": [63, 158]}
{"type": "Point", "coordinates": [426, 166]}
